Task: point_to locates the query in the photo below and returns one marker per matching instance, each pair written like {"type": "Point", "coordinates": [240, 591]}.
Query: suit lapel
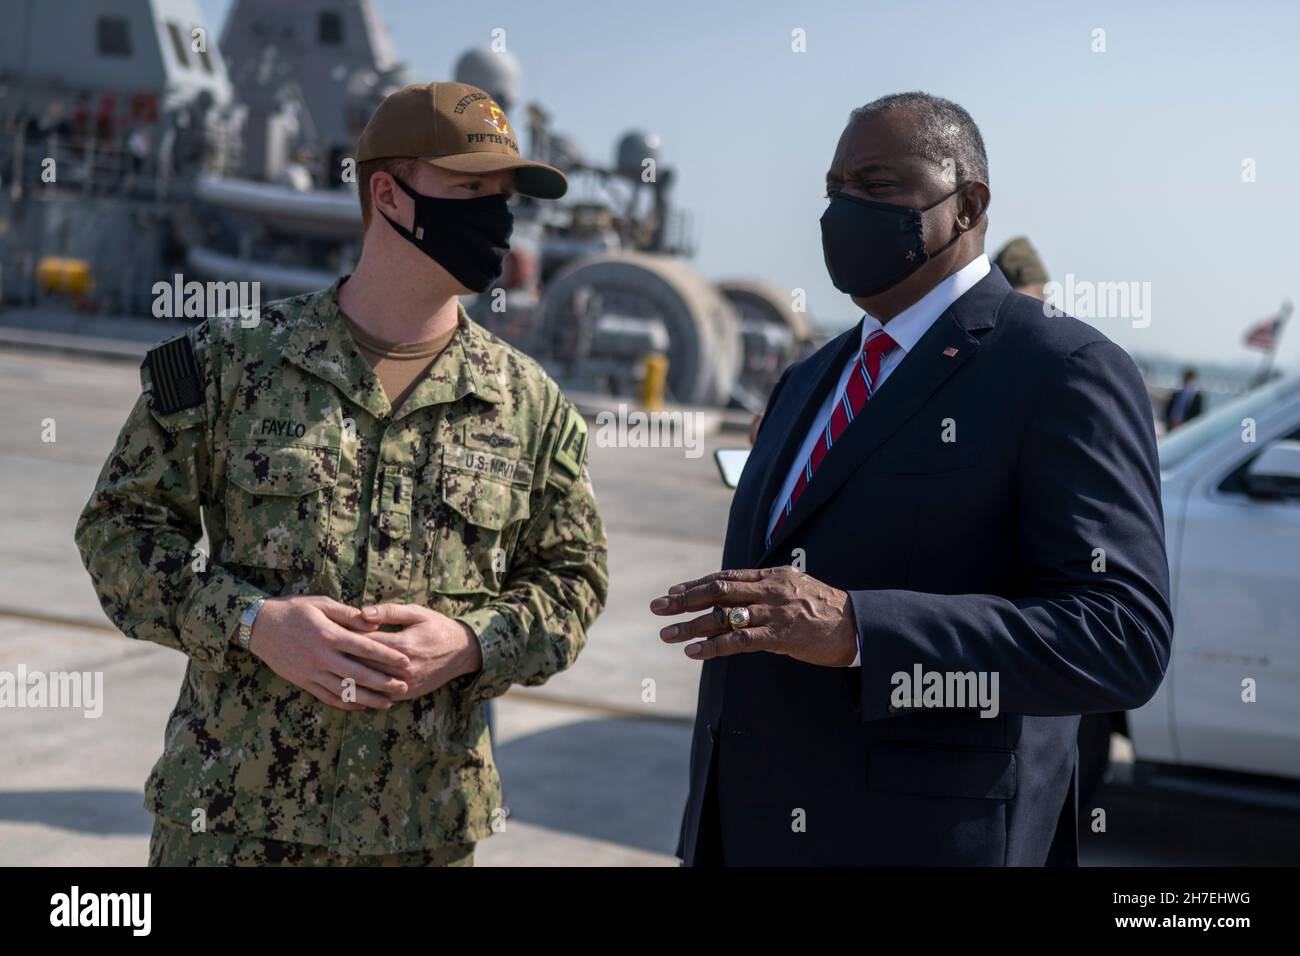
{"type": "Point", "coordinates": [945, 347]}
{"type": "Point", "coordinates": [800, 400]}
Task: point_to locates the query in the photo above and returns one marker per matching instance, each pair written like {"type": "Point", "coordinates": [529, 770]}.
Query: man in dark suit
{"type": "Point", "coordinates": [946, 545]}
{"type": "Point", "coordinates": [1185, 403]}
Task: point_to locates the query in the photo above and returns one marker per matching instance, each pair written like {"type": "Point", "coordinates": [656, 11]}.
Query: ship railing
{"type": "Point", "coordinates": [92, 165]}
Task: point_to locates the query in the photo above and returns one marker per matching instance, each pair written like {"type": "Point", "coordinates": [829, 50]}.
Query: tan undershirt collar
{"type": "Point", "coordinates": [399, 366]}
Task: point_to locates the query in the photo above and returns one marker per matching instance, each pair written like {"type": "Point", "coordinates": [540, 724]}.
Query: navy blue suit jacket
{"type": "Point", "coordinates": [1032, 546]}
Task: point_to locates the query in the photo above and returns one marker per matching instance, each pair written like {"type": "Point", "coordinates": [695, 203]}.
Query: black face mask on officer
{"type": "Point", "coordinates": [468, 237]}
{"type": "Point", "coordinates": [870, 246]}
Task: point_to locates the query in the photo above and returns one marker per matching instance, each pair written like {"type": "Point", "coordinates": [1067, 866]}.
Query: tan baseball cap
{"type": "Point", "coordinates": [1020, 263]}
{"type": "Point", "coordinates": [458, 128]}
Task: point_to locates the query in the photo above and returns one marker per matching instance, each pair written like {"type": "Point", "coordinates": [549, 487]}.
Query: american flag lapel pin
{"type": "Point", "coordinates": [950, 352]}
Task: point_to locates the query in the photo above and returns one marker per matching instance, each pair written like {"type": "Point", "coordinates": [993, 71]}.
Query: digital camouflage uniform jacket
{"type": "Point", "coordinates": [473, 499]}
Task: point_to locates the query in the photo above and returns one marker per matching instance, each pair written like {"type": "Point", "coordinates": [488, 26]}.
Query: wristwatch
{"type": "Point", "coordinates": [244, 636]}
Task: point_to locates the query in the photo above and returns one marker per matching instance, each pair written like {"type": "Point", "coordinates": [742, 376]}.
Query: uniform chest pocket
{"type": "Point", "coordinates": [487, 490]}
{"type": "Point", "coordinates": [486, 502]}
{"type": "Point", "coordinates": [278, 502]}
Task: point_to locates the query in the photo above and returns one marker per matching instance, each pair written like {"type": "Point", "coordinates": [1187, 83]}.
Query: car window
{"type": "Point", "coordinates": [1235, 483]}
{"type": "Point", "coordinates": [1186, 441]}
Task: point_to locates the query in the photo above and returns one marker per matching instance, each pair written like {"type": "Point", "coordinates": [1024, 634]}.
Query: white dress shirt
{"type": "Point", "coordinates": [906, 329]}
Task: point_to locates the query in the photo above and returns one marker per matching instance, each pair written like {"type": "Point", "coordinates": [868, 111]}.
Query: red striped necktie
{"type": "Point", "coordinates": [857, 392]}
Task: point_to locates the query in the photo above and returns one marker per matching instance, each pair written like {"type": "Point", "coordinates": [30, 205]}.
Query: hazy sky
{"type": "Point", "coordinates": [1123, 165]}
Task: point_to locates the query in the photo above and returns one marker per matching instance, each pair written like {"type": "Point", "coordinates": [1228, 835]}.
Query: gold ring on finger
{"type": "Point", "coordinates": [737, 618]}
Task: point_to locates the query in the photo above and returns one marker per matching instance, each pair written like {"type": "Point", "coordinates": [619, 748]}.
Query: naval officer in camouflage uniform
{"type": "Point", "coordinates": [389, 548]}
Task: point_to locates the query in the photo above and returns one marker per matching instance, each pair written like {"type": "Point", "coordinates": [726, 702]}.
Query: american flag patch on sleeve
{"type": "Point", "coordinates": [174, 373]}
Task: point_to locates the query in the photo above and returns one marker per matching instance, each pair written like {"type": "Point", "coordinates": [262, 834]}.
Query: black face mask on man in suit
{"type": "Point", "coordinates": [872, 246]}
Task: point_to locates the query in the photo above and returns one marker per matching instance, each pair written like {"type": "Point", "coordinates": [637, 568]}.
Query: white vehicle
{"type": "Point", "coordinates": [1226, 720]}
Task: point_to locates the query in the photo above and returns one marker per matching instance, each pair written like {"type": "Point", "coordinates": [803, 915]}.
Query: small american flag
{"type": "Point", "coordinates": [1263, 335]}
{"type": "Point", "coordinates": [950, 352]}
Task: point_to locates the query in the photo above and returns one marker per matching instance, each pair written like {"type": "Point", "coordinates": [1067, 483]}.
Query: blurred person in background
{"type": "Point", "coordinates": [1024, 269]}
{"type": "Point", "coordinates": [1185, 403]}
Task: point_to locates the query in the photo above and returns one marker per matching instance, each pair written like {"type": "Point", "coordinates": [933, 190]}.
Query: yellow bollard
{"type": "Point", "coordinates": [68, 276]}
{"type": "Point", "coordinates": [654, 378]}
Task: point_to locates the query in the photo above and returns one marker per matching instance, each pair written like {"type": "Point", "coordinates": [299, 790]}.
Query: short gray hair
{"type": "Point", "coordinates": [943, 131]}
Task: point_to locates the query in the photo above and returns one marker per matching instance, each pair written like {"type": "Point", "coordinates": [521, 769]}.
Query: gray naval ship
{"type": "Point", "coordinates": [139, 147]}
